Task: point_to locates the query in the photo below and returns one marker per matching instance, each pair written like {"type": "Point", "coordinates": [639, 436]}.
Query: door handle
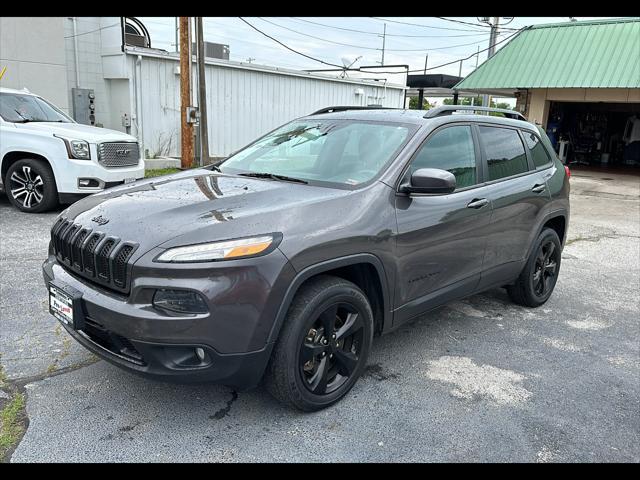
{"type": "Point", "coordinates": [478, 203]}
{"type": "Point", "coordinates": [539, 188]}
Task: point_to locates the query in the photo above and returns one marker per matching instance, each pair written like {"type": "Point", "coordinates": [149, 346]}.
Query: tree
{"type": "Point", "coordinates": [413, 104]}
{"type": "Point", "coordinates": [461, 101]}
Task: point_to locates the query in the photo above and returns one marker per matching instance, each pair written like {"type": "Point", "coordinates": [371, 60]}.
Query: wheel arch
{"type": "Point", "coordinates": [365, 270]}
{"type": "Point", "coordinates": [10, 158]}
{"type": "Point", "coordinates": [558, 221]}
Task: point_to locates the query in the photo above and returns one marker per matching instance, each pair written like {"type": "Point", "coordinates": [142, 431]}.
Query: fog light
{"type": "Point", "coordinates": [200, 354]}
{"type": "Point", "coordinates": [179, 301]}
{"type": "Point", "coordinates": [88, 183]}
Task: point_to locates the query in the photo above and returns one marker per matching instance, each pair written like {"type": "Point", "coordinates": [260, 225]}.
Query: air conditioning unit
{"type": "Point", "coordinates": [214, 50]}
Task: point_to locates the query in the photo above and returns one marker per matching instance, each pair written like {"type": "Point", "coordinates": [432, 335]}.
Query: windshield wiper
{"type": "Point", "coordinates": [273, 176]}
{"type": "Point", "coordinates": [24, 119]}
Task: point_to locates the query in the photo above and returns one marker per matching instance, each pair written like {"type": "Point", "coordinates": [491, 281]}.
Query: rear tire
{"type": "Point", "coordinates": [31, 186]}
{"type": "Point", "coordinates": [538, 278]}
{"type": "Point", "coordinates": [323, 346]}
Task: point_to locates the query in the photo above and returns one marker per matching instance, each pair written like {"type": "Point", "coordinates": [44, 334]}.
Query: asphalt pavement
{"type": "Point", "coordinates": [476, 380]}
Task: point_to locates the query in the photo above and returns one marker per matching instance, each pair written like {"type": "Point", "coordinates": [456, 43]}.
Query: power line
{"type": "Point", "coordinates": [318, 38]}
{"type": "Point", "coordinates": [373, 48]}
{"type": "Point", "coordinates": [436, 48]}
{"type": "Point", "coordinates": [388, 34]}
{"type": "Point", "coordinates": [92, 31]}
{"type": "Point", "coordinates": [341, 67]}
{"type": "Point", "coordinates": [465, 58]}
{"type": "Point", "coordinates": [425, 26]}
{"type": "Point", "coordinates": [474, 24]}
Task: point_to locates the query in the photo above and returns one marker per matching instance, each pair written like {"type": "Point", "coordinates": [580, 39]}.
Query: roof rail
{"type": "Point", "coordinates": [344, 108]}
{"type": "Point", "coordinates": [449, 109]}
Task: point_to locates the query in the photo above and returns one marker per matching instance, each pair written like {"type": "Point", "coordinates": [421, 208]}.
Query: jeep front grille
{"type": "Point", "coordinates": [93, 255]}
{"type": "Point", "coordinates": [118, 154]}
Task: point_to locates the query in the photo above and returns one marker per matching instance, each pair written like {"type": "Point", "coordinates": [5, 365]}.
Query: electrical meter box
{"type": "Point", "coordinates": [84, 108]}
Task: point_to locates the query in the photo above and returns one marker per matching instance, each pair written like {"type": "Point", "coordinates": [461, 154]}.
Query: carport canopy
{"type": "Point", "coordinates": [587, 54]}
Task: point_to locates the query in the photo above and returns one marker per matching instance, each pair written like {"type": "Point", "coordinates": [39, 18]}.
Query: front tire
{"type": "Point", "coordinates": [323, 346]}
{"type": "Point", "coordinates": [535, 284]}
{"type": "Point", "coordinates": [31, 186]}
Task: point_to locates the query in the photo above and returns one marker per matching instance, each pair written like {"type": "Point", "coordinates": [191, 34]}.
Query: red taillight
{"type": "Point", "coordinates": [566, 169]}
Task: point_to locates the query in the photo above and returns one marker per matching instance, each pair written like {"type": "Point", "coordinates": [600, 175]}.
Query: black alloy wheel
{"type": "Point", "coordinates": [538, 278]}
{"type": "Point", "coordinates": [331, 349]}
{"type": "Point", "coordinates": [546, 268]}
{"type": "Point", "coordinates": [323, 345]}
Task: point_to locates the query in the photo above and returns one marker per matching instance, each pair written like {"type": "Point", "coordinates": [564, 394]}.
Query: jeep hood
{"type": "Point", "coordinates": [194, 207]}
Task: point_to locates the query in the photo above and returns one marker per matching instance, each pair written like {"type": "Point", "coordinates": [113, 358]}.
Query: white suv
{"type": "Point", "coordinates": [46, 157]}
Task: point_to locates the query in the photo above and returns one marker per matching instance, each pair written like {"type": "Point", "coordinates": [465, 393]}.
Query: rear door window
{"type": "Point", "coordinates": [505, 152]}
{"type": "Point", "coordinates": [539, 154]}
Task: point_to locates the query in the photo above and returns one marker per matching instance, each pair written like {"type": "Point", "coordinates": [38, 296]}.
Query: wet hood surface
{"type": "Point", "coordinates": [194, 207]}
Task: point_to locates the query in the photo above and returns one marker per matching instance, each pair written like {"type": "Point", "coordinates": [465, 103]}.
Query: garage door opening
{"type": "Point", "coordinates": [596, 135]}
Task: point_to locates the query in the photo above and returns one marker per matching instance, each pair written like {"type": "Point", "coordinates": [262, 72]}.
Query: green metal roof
{"type": "Point", "coordinates": [589, 54]}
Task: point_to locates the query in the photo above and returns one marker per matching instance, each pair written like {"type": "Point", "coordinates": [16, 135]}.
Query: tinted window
{"type": "Point", "coordinates": [450, 149]}
{"type": "Point", "coordinates": [538, 152]}
{"type": "Point", "coordinates": [336, 151]}
{"type": "Point", "coordinates": [505, 152]}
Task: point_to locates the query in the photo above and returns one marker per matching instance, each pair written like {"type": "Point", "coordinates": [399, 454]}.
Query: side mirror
{"type": "Point", "coordinates": [430, 180]}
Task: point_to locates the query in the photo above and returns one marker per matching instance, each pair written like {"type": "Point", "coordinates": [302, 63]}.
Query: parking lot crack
{"type": "Point", "coordinates": [223, 412]}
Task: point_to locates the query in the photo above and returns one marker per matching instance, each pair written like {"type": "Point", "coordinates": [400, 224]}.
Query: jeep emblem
{"type": "Point", "coordinates": [100, 220]}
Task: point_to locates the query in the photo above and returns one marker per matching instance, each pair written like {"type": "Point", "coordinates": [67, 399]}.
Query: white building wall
{"type": "Point", "coordinates": [32, 50]}
{"type": "Point", "coordinates": [88, 39]}
{"type": "Point", "coordinates": [243, 101]}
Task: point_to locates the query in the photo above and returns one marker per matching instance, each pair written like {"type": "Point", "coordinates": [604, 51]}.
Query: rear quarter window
{"type": "Point", "coordinates": [538, 151]}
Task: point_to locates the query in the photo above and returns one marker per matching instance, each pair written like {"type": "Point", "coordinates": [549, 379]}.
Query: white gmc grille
{"type": "Point", "coordinates": [118, 154]}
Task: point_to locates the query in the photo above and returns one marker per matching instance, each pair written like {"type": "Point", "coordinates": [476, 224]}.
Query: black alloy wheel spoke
{"type": "Point", "coordinates": [328, 319]}
{"type": "Point", "coordinates": [551, 268]}
{"type": "Point", "coordinates": [346, 362]}
{"type": "Point", "coordinates": [318, 383]}
{"type": "Point", "coordinates": [352, 324]}
{"type": "Point", "coordinates": [311, 351]}
{"type": "Point", "coordinates": [550, 249]}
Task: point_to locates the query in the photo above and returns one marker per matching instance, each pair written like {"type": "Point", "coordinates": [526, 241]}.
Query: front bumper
{"type": "Point", "coordinates": [128, 332]}
{"type": "Point", "coordinates": [67, 180]}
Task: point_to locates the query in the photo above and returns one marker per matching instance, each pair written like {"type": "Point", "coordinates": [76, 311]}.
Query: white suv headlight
{"type": "Point", "coordinates": [231, 249]}
{"type": "Point", "coordinates": [77, 149]}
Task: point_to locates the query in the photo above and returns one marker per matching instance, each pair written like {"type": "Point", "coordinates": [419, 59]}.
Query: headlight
{"type": "Point", "coordinates": [78, 149]}
{"type": "Point", "coordinates": [203, 252]}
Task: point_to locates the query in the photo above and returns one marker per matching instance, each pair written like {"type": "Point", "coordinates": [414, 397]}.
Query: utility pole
{"type": "Point", "coordinates": [202, 97]}
{"type": "Point", "coordinates": [384, 38]}
{"type": "Point", "coordinates": [185, 96]}
{"type": "Point", "coordinates": [176, 32]}
{"type": "Point", "coordinates": [426, 59]}
{"type": "Point", "coordinates": [486, 99]}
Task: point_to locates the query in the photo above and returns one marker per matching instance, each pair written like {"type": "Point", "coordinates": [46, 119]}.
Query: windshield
{"type": "Point", "coordinates": [336, 151]}
{"type": "Point", "coordinates": [29, 108]}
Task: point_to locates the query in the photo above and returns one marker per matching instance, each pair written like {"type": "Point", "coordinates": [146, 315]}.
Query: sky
{"type": "Point", "coordinates": [343, 40]}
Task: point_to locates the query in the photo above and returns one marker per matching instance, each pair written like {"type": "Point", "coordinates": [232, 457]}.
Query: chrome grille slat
{"type": "Point", "coordinates": [92, 255]}
{"type": "Point", "coordinates": [118, 154]}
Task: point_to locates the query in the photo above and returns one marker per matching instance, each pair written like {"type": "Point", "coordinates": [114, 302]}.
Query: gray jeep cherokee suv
{"type": "Point", "coordinates": [286, 258]}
